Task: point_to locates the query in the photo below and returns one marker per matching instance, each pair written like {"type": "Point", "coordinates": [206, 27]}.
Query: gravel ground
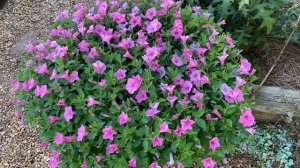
{"type": "Point", "coordinates": [21, 21]}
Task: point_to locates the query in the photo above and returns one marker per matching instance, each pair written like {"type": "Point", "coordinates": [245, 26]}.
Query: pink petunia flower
{"type": "Point", "coordinates": [178, 131]}
{"type": "Point", "coordinates": [42, 69]}
{"type": "Point", "coordinates": [135, 21]}
{"type": "Point", "coordinates": [133, 84]}
{"type": "Point", "coordinates": [99, 158]}
{"type": "Point", "coordinates": [157, 141]}
{"type": "Point", "coordinates": [52, 119]}
{"type": "Point", "coordinates": [84, 164]}
{"type": "Point", "coordinates": [99, 67]}
{"type": "Point", "coordinates": [83, 46]}
{"type": "Point", "coordinates": [73, 77]}
{"type": "Point", "coordinates": [92, 54]}
{"type": "Point", "coordinates": [53, 162]}
{"type": "Point", "coordinates": [102, 82]}
{"type": "Point", "coordinates": [108, 132]}
{"type": "Point", "coordinates": [69, 113]}
{"type": "Point", "coordinates": [61, 102]}
{"type": "Point", "coordinates": [132, 162]}
{"type": "Point", "coordinates": [141, 96]}
{"type": "Point", "coordinates": [217, 113]}
{"type": "Point", "coordinates": [59, 138]}
{"type": "Point", "coordinates": [126, 44]}
{"type": "Point", "coordinates": [152, 111]}
{"type": "Point", "coordinates": [44, 145]}
{"type": "Point", "coordinates": [244, 68]}
{"type": "Point", "coordinates": [81, 133]}
{"type": "Point", "coordinates": [179, 165]}
{"type": "Point", "coordinates": [118, 17]}
{"type": "Point", "coordinates": [151, 53]}
{"type": "Point", "coordinates": [229, 41]}
{"type": "Point", "coordinates": [163, 127]}
{"type": "Point", "coordinates": [208, 117]}
{"type": "Point", "coordinates": [172, 100]}
{"type": "Point", "coordinates": [64, 75]}
{"type": "Point", "coordinates": [69, 138]}
{"type": "Point", "coordinates": [232, 95]}
{"type": "Point", "coordinates": [112, 148]}
{"type": "Point", "coordinates": [120, 74]}
{"type": "Point", "coordinates": [91, 101]}
{"type": "Point", "coordinates": [208, 162]}
{"type": "Point", "coordinates": [41, 91]}
{"type": "Point", "coordinates": [251, 130]}
{"type": "Point", "coordinates": [223, 57]}
{"type": "Point", "coordinates": [54, 75]}
{"type": "Point", "coordinates": [247, 119]}
{"type": "Point", "coordinates": [186, 87]}
{"type": "Point", "coordinates": [176, 60]}
{"type": "Point", "coordinates": [153, 26]}
{"type": "Point", "coordinates": [150, 13]}
{"type": "Point", "coordinates": [186, 124]}
{"type": "Point", "coordinates": [123, 118]}
{"type": "Point", "coordinates": [214, 143]}
{"type": "Point", "coordinates": [154, 165]}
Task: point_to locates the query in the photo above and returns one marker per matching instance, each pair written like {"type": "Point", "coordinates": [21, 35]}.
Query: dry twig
{"type": "Point", "coordinates": [278, 57]}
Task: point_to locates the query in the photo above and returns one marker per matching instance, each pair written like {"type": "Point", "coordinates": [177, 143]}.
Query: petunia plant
{"type": "Point", "coordinates": [136, 84]}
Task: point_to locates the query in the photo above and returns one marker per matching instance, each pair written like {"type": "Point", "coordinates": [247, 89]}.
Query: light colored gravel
{"type": "Point", "coordinates": [20, 22]}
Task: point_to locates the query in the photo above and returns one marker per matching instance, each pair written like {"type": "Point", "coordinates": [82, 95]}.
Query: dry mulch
{"type": "Point", "coordinates": [286, 73]}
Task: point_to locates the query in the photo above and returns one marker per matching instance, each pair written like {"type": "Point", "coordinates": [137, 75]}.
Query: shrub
{"type": "Point", "coordinates": [252, 22]}
{"type": "Point", "coordinates": [138, 85]}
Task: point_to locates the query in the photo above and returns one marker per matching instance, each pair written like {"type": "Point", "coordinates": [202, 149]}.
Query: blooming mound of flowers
{"type": "Point", "coordinates": [125, 84]}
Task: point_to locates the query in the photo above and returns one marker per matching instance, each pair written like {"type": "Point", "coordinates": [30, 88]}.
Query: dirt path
{"type": "Point", "coordinates": [20, 22]}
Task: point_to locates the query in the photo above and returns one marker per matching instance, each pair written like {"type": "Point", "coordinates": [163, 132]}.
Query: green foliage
{"type": "Point", "coordinates": [134, 138]}
{"type": "Point", "coordinates": [252, 22]}
{"type": "Point", "coordinates": [270, 146]}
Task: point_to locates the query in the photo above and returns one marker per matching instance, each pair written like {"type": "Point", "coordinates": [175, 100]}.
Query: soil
{"type": "Point", "coordinates": [286, 73]}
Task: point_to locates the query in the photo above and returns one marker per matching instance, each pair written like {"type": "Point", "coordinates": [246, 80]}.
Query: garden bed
{"type": "Point", "coordinates": [286, 75]}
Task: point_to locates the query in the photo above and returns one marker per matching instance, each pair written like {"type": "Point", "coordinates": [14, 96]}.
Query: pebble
{"type": "Point", "coordinates": [19, 145]}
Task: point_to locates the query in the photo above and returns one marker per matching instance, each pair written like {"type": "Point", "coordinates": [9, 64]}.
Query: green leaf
{"type": "Point", "coordinates": [201, 123]}
{"type": "Point", "coordinates": [243, 3]}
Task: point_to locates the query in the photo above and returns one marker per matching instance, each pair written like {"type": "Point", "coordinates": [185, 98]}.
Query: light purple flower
{"type": "Point", "coordinates": [214, 143]}
{"type": "Point", "coordinates": [153, 26]}
{"type": "Point", "coordinates": [186, 124]}
{"type": "Point", "coordinates": [150, 13]}
{"type": "Point", "coordinates": [157, 141]}
{"type": "Point", "coordinates": [69, 113]}
{"type": "Point", "coordinates": [81, 133]}
{"type": "Point", "coordinates": [118, 17]}
{"type": "Point", "coordinates": [123, 118]}
{"type": "Point", "coordinates": [59, 138]}
{"type": "Point", "coordinates": [108, 132]}
{"type": "Point", "coordinates": [99, 67]}
{"type": "Point", "coordinates": [126, 44]}
{"type": "Point", "coordinates": [42, 69]}
{"type": "Point", "coordinates": [112, 148]}
{"type": "Point", "coordinates": [73, 77]}
{"type": "Point", "coordinates": [141, 96]}
{"type": "Point", "coordinates": [83, 46]}
{"type": "Point", "coordinates": [163, 127]}
{"type": "Point", "coordinates": [120, 74]}
{"type": "Point", "coordinates": [92, 54]}
{"type": "Point", "coordinates": [186, 87]}
{"type": "Point", "coordinates": [91, 101]}
{"type": "Point", "coordinates": [133, 84]}
{"type": "Point", "coordinates": [132, 162]}
{"type": "Point", "coordinates": [176, 60]}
